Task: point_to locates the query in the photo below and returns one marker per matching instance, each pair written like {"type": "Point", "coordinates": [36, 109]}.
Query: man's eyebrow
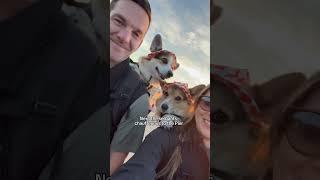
{"type": "Point", "coordinates": [138, 30]}
{"type": "Point", "coordinates": [120, 17]}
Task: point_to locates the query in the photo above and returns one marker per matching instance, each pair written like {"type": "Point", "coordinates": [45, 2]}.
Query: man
{"type": "Point", "coordinates": [129, 22]}
{"type": "Point", "coordinates": [51, 83]}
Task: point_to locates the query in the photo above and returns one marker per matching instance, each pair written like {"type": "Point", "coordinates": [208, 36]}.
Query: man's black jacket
{"type": "Point", "coordinates": [50, 82]}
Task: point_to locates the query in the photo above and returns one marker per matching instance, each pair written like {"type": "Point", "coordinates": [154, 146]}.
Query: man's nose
{"type": "Point", "coordinates": [124, 35]}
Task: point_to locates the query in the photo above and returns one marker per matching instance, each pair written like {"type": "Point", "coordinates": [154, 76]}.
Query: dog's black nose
{"type": "Point", "coordinates": [164, 107]}
{"type": "Point", "coordinates": [169, 74]}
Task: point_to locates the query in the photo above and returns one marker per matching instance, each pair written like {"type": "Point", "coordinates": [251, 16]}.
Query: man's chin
{"type": "Point", "coordinates": [118, 49]}
{"type": "Point", "coordinates": [116, 59]}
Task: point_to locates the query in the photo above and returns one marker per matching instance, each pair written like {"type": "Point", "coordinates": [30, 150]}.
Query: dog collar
{"type": "Point", "coordinates": [238, 81]}
{"type": "Point", "coordinates": [155, 53]}
{"type": "Point", "coordinates": [183, 87]}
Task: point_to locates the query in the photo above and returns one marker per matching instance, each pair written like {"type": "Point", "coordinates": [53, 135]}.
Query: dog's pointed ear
{"type": "Point", "coordinates": [177, 65]}
{"type": "Point", "coordinates": [162, 83]}
{"type": "Point", "coordinates": [156, 44]}
{"type": "Point", "coordinates": [277, 89]}
{"type": "Point", "coordinates": [195, 91]}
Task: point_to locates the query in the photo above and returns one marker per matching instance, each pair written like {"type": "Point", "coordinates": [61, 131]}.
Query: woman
{"type": "Point", "coordinates": [295, 136]}
{"type": "Point", "coordinates": [179, 153]}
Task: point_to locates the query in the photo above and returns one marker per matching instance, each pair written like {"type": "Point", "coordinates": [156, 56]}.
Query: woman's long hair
{"type": "Point", "coordinates": [186, 132]}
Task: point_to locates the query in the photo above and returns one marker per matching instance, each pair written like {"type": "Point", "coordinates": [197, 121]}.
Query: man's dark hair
{"type": "Point", "coordinates": [142, 3]}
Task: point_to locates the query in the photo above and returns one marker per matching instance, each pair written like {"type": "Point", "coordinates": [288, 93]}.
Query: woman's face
{"type": "Point", "coordinates": [202, 115]}
{"type": "Point", "coordinates": [298, 155]}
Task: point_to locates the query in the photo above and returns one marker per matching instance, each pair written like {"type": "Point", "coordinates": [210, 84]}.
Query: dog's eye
{"type": "Point", "coordinates": [164, 60]}
{"type": "Point", "coordinates": [178, 98]}
{"type": "Point", "coordinates": [165, 93]}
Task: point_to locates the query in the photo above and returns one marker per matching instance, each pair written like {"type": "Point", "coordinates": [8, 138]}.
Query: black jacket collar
{"type": "Point", "coordinates": [117, 72]}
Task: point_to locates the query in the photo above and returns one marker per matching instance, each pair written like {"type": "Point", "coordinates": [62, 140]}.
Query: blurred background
{"type": "Point", "coordinates": [268, 38]}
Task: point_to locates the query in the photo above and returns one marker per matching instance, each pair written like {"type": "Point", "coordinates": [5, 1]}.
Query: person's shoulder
{"type": "Point", "coordinates": [132, 72]}
{"type": "Point", "coordinates": [143, 99]}
{"type": "Point", "coordinates": [135, 81]}
{"type": "Point", "coordinates": [162, 131]}
{"type": "Point", "coordinates": [164, 139]}
{"type": "Point", "coordinates": [164, 135]}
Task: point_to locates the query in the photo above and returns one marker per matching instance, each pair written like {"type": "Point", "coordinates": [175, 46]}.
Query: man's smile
{"type": "Point", "coordinates": [119, 45]}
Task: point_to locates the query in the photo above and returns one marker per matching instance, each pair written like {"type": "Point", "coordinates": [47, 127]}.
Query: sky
{"type": "Point", "coordinates": [185, 30]}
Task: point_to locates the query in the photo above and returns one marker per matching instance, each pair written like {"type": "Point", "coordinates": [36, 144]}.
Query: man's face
{"type": "Point", "coordinates": [128, 26]}
{"type": "Point", "coordinates": [288, 163]}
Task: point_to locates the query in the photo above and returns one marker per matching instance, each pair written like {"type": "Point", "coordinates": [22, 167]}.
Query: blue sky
{"type": "Point", "coordinates": [185, 30]}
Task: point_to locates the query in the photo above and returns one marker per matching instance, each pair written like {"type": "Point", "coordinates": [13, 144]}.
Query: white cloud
{"type": "Point", "coordinates": [190, 72]}
{"type": "Point", "coordinates": [193, 76]}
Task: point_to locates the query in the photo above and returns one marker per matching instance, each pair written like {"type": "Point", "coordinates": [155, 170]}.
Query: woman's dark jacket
{"type": "Point", "coordinates": [155, 152]}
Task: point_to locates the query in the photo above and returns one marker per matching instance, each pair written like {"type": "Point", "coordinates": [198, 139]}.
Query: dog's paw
{"type": "Point", "coordinates": [168, 121]}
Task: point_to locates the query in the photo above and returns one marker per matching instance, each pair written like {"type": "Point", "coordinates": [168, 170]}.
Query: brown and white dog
{"type": "Point", "coordinates": [177, 103]}
{"type": "Point", "coordinates": [239, 112]}
{"type": "Point", "coordinates": [157, 66]}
